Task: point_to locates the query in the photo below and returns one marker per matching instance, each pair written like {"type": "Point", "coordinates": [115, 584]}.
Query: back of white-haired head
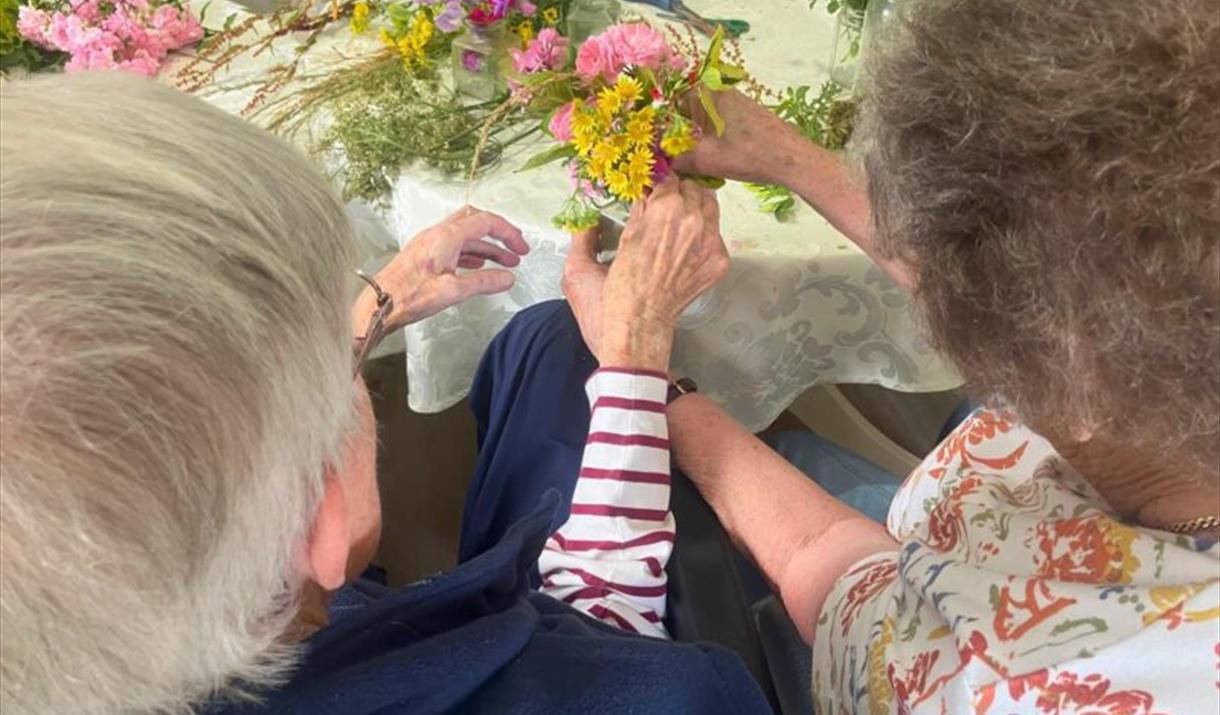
{"type": "Point", "coordinates": [174, 374]}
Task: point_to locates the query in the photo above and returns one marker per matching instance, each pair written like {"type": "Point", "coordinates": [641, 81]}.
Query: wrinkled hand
{"type": "Point", "coordinates": [423, 278]}
{"type": "Point", "coordinates": [755, 141]}
{"type": "Point", "coordinates": [671, 251]}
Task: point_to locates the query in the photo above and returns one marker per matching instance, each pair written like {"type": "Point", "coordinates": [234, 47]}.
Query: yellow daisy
{"type": "Point", "coordinates": [526, 32]}
{"type": "Point", "coordinates": [641, 161]}
{"type": "Point", "coordinates": [550, 15]}
{"type": "Point", "coordinates": [679, 138]}
{"type": "Point", "coordinates": [606, 152]}
{"type": "Point", "coordinates": [618, 183]}
{"type": "Point", "coordinates": [640, 126]}
{"type": "Point", "coordinates": [628, 90]}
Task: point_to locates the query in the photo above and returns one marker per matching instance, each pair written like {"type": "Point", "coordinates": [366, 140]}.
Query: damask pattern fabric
{"type": "Point", "coordinates": [1015, 590]}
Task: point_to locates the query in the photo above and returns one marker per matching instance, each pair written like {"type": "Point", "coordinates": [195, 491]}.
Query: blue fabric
{"type": "Point", "coordinates": [478, 639]}
{"type": "Point", "coordinates": [847, 476]}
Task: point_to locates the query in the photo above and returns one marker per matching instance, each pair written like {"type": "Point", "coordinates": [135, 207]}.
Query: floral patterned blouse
{"type": "Point", "coordinates": [1015, 591]}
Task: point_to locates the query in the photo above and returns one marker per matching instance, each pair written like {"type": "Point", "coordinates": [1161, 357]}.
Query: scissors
{"type": "Point", "coordinates": [679, 11]}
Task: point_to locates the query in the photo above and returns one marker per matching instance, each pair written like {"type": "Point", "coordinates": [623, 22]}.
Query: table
{"type": "Point", "coordinates": [801, 305]}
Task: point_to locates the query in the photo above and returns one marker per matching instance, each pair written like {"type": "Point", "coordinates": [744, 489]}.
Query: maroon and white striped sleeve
{"type": "Point", "coordinates": [609, 559]}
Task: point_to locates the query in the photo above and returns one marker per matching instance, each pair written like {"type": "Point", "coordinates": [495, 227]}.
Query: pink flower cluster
{"type": "Point", "coordinates": [547, 51]}
{"type": "Point", "coordinates": [622, 46]}
{"type": "Point", "coordinates": [133, 35]}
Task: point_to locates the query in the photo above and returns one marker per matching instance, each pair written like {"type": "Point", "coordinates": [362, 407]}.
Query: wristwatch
{"type": "Point", "coordinates": [677, 388]}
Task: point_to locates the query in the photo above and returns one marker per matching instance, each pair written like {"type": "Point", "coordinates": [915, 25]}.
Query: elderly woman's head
{"type": "Point", "coordinates": [1051, 170]}
{"type": "Point", "coordinates": [183, 446]}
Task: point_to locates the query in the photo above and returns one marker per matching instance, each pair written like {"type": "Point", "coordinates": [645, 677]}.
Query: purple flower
{"type": "Point", "coordinates": [450, 19]}
{"type": "Point", "coordinates": [472, 61]}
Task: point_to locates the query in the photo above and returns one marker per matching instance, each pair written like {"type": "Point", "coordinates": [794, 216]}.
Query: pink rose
{"type": "Point", "coordinates": [560, 125]}
{"type": "Point", "coordinates": [597, 57]}
{"type": "Point", "coordinates": [527, 8]}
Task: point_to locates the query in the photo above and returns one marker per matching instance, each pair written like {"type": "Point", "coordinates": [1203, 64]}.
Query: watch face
{"type": "Point", "coordinates": [686, 385]}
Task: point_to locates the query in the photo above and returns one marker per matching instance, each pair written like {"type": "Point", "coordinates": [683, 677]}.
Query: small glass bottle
{"type": "Point", "coordinates": [589, 17]}
{"type": "Point", "coordinates": [845, 50]}
{"type": "Point", "coordinates": [478, 56]}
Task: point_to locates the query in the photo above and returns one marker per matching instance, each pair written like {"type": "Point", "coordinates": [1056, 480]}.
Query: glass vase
{"type": "Point", "coordinates": [479, 55]}
{"type": "Point", "coordinates": [589, 17]}
{"type": "Point", "coordinates": [845, 50]}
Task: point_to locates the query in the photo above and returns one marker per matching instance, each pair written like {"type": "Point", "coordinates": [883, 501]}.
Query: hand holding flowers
{"type": "Point", "coordinates": [618, 114]}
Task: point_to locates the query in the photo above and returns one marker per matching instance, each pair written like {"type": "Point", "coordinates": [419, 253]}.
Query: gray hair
{"type": "Point", "coordinates": [1051, 170]}
{"type": "Point", "coordinates": [176, 375]}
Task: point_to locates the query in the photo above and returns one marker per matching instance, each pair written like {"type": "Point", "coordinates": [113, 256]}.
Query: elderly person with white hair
{"type": "Point", "coordinates": [187, 452]}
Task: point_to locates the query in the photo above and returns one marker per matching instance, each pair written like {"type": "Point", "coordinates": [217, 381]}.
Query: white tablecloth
{"type": "Point", "coordinates": [801, 305]}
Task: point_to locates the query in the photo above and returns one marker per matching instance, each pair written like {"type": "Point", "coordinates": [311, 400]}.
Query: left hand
{"type": "Point", "coordinates": [423, 278]}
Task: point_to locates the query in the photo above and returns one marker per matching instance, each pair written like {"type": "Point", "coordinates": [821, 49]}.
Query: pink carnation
{"type": "Point", "coordinates": [561, 123]}
{"type": "Point", "coordinates": [625, 45]}
{"type": "Point", "coordinates": [547, 51]}
{"type": "Point", "coordinates": [133, 35]}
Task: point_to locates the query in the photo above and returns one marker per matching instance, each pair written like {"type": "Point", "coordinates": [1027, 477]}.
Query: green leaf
{"type": "Point", "coordinates": [732, 73]}
{"type": "Point", "coordinates": [709, 106]}
{"type": "Point", "coordinates": [711, 78]}
{"type": "Point", "coordinates": [555, 153]}
{"type": "Point", "coordinates": [708, 182]}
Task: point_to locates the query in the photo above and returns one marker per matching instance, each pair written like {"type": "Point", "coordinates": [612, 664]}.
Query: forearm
{"type": "Point", "coordinates": [608, 560]}
{"type": "Point", "coordinates": [825, 181]}
{"type": "Point", "coordinates": [801, 537]}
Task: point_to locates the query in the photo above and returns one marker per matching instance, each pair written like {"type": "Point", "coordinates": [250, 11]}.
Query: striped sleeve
{"type": "Point", "coordinates": [609, 559]}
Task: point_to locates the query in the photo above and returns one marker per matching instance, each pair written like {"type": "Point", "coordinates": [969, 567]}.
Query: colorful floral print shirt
{"type": "Point", "coordinates": [1015, 591]}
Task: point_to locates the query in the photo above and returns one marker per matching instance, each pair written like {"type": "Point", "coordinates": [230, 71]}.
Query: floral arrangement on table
{"type": "Point", "coordinates": [618, 112]}
{"type": "Point", "coordinates": [133, 35]}
{"type": "Point", "coordinates": [421, 31]}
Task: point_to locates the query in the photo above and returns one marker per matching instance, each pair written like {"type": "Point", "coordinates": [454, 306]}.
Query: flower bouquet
{"type": "Point", "coordinates": [134, 35]}
{"type": "Point", "coordinates": [617, 112]}
{"type": "Point", "coordinates": [421, 30]}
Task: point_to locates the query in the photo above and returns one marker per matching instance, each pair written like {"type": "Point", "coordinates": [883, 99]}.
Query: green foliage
{"type": "Point", "coordinates": [16, 51]}
{"type": "Point", "coordinates": [385, 119]}
{"type": "Point", "coordinates": [824, 118]}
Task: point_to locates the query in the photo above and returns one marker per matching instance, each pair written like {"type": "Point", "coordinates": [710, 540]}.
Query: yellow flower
{"type": "Point", "coordinates": [526, 32]}
{"type": "Point", "coordinates": [596, 169]}
{"type": "Point", "coordinates": [641, 161]}
{"type": "Point", "coordinates": [678, 139]}
{"type": "Point", "coordinates": [608, 103]}
{"type": "Point", "coordinates": [640, 126]}
{"type": "Point", "coordinates": [628, 90]}
{"type": "Point", "coordinates": [583, 143]}
{"type": "Point", "coordinates": [386, 38]}
{"type": "Point", "coordinates": [606, 152]}
{"type": "Point", "coordinates": [360, 18]}
{"type": "Point", "coordinates": [412, 47]}
{"type": "Point", "coordinates": [550, 15]}
{"type": "Point", "coordinates": [618, 183]}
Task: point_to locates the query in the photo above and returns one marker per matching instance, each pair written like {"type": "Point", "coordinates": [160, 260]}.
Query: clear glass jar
{"type": "Point", "coordinates": [589, 17]}
{"type": "Point", "coordinates": [845, 51]}
{"type": "Point", "coordinates": [478, 56]}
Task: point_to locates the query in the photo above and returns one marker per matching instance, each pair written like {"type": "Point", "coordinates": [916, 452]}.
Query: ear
{"type": "Point", "coordinates": [329, 541]}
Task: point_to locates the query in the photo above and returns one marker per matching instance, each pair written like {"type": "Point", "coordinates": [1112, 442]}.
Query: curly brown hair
{"type": "Point", "coordinates": [1050, 169]}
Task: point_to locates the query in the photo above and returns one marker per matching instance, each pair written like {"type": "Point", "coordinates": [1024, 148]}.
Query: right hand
{"type": "Point", "coordinates": [671, 251]}
{"type": "Point", "coordinates": [754, 147]}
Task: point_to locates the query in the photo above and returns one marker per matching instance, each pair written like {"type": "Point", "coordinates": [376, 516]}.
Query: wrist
{"type": "Point", "coordinates": [362, 312]}
{"type": "Point", "coordinates": [636, 344]}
